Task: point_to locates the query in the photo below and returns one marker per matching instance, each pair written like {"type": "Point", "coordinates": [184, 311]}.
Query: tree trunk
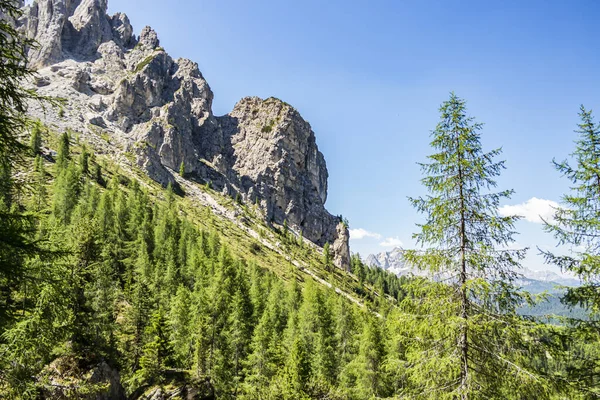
{"type": "Point", "coordinates": [463, 340]}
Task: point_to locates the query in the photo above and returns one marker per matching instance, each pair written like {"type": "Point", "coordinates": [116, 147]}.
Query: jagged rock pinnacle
{"type": "Point", "coordinates": [131, 95]}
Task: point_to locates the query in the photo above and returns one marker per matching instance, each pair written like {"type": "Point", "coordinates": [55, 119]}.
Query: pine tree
{"type": "Point", "coordinates": [67, 188]}
{"type": "Point", "coordinates": [317, 330]}
{"type": "Point", "coordinates": [368, 364]}
{"type": "Point", "coordinates": [467, 238]}
{"type": "Point", "coordinates": [6, 187]}
{"type": "Point", "coordinates": [240, 326]}
{"type": "Point", "coordinates": [576, 222]}
{"type": "Point", "coordinates": [266, 343]}
{"type": "Point", "coordinates": [98, 174]}
{"type": "Point", "coordinates": [84, 250]}
{"type": "Point", "coordinates": [64, 152]}
{"type": "Point", "coordinates": [180, 320]}
{"type": "Point", "coordinates": [182, 169]}
{"type": "Point", "coordinates": [213, 352]}
{"type": "Point", "coordinates": [84, 158]}
{"type": "Point", "coordinates": [39, 185]}
{"type": "Point", "coordinates": [132, 327]}
{"type": "Point", "coordinates": [327, 257]}
{"type": "Point", "coordinates": [297, 368]}
{"type": "Point", "coordinates": [35, 142]}
{"type": "Point", "coordinates": [358, 268]}
{"type": "Point", "coordinates": [345, 332]}
{"type": "Point", "coordinates": [16, 242]}
{"type": "Point", "coordinates": [576, 225]}
{"type": "Point", "coordinates": [158, 353]}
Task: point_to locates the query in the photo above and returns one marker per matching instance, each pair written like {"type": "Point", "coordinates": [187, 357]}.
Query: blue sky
{"type": "Point", "coordinates": [370, 76]}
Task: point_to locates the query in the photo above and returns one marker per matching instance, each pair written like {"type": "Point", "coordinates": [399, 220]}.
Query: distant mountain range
{"type": "Point", "coordinates": [536, 281]}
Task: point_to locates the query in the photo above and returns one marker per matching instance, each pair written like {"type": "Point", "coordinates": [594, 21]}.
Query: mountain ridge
{"type": "Point", "coordinates": [124, 94]}
{"type": "Point", "coordinates": [392, 261]}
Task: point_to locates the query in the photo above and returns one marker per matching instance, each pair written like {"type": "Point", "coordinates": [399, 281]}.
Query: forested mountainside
{"type": "Point", "coordinates": [150, 250]}
{"type": "Point", "coordinates": [128, 97]}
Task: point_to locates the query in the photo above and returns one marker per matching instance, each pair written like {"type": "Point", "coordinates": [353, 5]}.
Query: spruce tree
{"type": "Point", "coordinates": [327, 257]}
{"type": "Point", "coordinates": [576, 226]}
{"type": "Point", "coordinates": [158, 353]}
{"type": "Point", "coordinates": [35, 142]}
{"type": "Point", "coordinates": [577, 221]}
{"type": "Point", "coordinates": [367, 365]}
{"type": "Point", "coordinates": [67, 187]}
{"type": "Point", "coordinates": [240, 326]}
{"type": "Point", "coordinates": [64, 152]}
{"type": "Point", "coordinates": [16, 242]}
{"type": "Point", "coordinates": [39, 185]}
{"type": "Point", "coordinates": [84, 159]}
{"type": "Point", "coordinates": [467, 241]}
{"type": "Point", "coordinates": [180, 320]}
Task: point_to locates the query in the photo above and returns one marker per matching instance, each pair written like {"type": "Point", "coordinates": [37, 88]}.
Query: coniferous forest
{"type": "Point", "coordinates": [112, 286]}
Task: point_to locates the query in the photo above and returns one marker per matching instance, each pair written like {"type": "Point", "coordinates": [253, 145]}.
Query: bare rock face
{"type": "Point", "coordinates": [64, 378]}
{"type": "Point", "coordinates": [126, 94]}
{"type": "Point", "coordinates": [87, 28]}
{"type": "Point", "coordinates": [44, 21]}
{"type": "Point", "coordinates": [341, 252]}
{"type": "Point", "coordinates": [274, 152]}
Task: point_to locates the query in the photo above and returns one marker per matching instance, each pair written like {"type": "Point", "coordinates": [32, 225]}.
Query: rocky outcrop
{"type": "Point", "coordinates": [340, 248]}
{"type": "Point", "coordinates": [65, 378]}
{"type": "Point", "coordinates": [274, 153]}
{"type": "Point", "coordinates": [127, 94]}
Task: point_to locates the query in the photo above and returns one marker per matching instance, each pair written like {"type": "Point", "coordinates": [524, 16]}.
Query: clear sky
{"type": "Point", "coordinates": [370, 75]}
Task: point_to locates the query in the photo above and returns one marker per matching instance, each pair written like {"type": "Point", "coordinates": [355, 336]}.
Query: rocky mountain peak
{"type": "Point", "coordinates": [149, 38]}
{"type": "Point", "coordinates": [128, 96]}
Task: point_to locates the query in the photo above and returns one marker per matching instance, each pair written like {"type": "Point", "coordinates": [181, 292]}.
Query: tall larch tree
{"type": "Point", "coordinates": [576, 227]}
{"type": "Point", "coordinates": [15, 227]}
{"type": "Point", "coordinates": [465, 244]}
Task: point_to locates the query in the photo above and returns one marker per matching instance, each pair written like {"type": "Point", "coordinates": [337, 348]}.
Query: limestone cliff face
{"type": "Point", "coordinates": [128, 96]}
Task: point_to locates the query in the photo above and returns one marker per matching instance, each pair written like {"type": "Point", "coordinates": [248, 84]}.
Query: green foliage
{"type": "Point", "coordinates": [157, 353]}
{"type": "Point", "coordinates": [327, 259]}
{"type": "Point", "coordinates": [144, 63]}
{"type": "Point", "coordinates": [17, 243]}
{"type": "Point", "coordinates": [576, 225]}
{"type": "Point", "coordinates": [182, 170]}
{"type": "Point", "coordinates": [268, 128]}
{"type": "Point", "coordinates": [84, 158]}
{"type": "Point", "coordinates": [64, 152]}
{"type": "Point", "coordinates": [13, 97]}
{"type": "Point", "coordinates": [576, 221]}
{"type": "Point", "coordinates": [35, 141]}
{"type": "Point", "coordinates": [463, 341]}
